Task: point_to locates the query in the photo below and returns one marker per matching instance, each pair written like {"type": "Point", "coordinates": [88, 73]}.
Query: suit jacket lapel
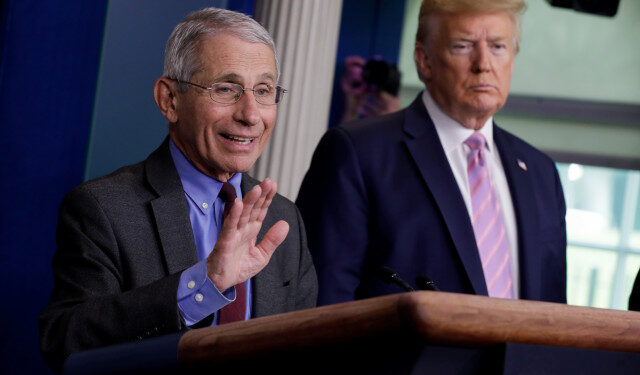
{"type": "Point", "coordinates": [428, 154]}
{"type": "Point", "coordinates": [267, 297]}
{"type": "Point", "coordinates": [520, 186]}
{"type": "Point", "coordinates": [171, 211]}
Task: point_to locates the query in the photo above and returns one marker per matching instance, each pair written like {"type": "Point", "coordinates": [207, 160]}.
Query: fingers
{"type": "Point", "coordinates": [262, 213]}
{"type": "Point", "coordinates": [230, 223]}
{"type": "Point", "coordinates": [266, 187]}
{"type": "Point", "coordinates": [252, 208]}
{"type": "Point", "coordinates": [274, 237]}
{"type": "Point", "coordinates": [249, 202]}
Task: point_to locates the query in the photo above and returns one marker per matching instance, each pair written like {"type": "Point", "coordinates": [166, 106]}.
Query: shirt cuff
{"type": "Point", "coordinates": [198, 297]}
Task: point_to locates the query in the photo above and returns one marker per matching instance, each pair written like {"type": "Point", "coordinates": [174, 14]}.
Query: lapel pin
{"type": "Point", "coordinates": [522, 165]}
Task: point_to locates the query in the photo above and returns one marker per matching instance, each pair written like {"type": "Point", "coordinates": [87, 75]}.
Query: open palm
{"type": "Point", "coordinates": [236, 257]}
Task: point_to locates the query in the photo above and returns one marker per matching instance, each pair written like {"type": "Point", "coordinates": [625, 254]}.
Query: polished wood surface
{"type": "Point", "coordinates": [465, 319]}
{"type": "Point", "coordinates": [427, 317]}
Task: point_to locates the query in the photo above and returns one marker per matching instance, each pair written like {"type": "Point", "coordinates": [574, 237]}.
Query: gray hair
{"type": "Point", "coordinates": [181, 55]}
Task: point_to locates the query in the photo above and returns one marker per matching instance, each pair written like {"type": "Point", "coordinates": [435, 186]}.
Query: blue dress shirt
{"type": "Point", "coordinates": [197, 296]}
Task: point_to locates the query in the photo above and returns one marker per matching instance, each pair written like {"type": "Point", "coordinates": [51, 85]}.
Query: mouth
{"type": "Point", "coordinates": [482, 87]}
{"type": "Point", "coordinates": [238, 140]}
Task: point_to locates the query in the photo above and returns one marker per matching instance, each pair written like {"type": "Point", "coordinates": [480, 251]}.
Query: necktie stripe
{"type": "Point", "coordinates": [488, 227]}
{"type": "Point", "coordinates": [473, 163]}
{"type": "Point", "coordinates": [504, 293]}
{"type": "Point", "coordinates": [481, 210]}
{"type": "Point", "coordinates": [499, 271]}
{"type": "Point", "coordinates": [478, 183]}
{"type": "Point", "coordinates": [496, 247]}
{"type": "Point", "coordinates": [487, 221]}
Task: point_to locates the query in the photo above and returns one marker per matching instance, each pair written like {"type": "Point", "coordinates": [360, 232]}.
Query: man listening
{"type": "Point", "coordinates": [438, 189]}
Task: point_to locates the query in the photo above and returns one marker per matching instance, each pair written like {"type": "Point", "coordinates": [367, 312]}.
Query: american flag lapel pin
{"type": "Point", "coordinates": [522, 165]}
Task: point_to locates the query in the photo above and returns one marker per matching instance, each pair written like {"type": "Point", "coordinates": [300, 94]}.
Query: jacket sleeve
{"type": "Point", "coordinates": [335, 209]}
{"type": "Point", "coordinates": [91, 305]}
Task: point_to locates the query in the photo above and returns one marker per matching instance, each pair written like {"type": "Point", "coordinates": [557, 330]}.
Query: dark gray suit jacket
{"type": "Point", "coordinates": [123, 241]}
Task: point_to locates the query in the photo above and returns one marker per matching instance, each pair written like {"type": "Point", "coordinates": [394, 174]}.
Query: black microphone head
{"type": "Point", "coordinates": [387, 274]}
{"type": "Point", "coordinates": [425, 283]}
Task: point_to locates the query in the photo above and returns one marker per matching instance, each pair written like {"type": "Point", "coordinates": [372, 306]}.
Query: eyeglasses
{"type": "Point", "coordinates": [230, 93]}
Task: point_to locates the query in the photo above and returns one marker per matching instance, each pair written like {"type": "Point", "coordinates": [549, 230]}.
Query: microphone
{"type": "Point", "coordinates": [390, 276]}
{"type": "Point", "coordinates": [425, 283]}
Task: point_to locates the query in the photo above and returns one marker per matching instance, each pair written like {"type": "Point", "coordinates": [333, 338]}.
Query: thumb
{"type": "Point", "coordinates": [274, 237]}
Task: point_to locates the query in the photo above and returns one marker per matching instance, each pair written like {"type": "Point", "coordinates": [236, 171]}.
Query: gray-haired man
{"type": "Point", "coordinates": [164, 244]}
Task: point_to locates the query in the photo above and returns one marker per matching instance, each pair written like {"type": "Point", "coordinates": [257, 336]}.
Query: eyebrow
{"type": "Point", "coordinates": [463, 39]}
{"type": "Point", "coordinates": [498, 38]}
{"type": "Point", "coordinates": [473, 39]}
{"type": "Point", "coordinates": [466, 39]}
{"type": "Point", "coordinates": [233, 77]}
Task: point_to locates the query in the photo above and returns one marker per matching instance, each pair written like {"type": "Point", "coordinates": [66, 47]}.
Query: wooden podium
{"type": "Point", "coordinates": [415, 333]}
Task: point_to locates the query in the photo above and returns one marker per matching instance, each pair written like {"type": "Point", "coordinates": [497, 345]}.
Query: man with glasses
{"type": "Point", "coordinates": [185, 238]}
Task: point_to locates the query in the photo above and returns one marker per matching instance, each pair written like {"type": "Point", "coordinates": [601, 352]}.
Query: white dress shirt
{"type": "Point", "coordinates": [452, 136]}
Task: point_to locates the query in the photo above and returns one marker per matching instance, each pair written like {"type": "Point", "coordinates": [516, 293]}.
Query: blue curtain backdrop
{"type": "Point", "coordinates": [49, 60]}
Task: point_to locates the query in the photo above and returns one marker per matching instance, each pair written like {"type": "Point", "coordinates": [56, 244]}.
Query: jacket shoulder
{"type": "Point", "coordinates": [374, 126]}
{"type": "Point", "coordinates": [125, 184]}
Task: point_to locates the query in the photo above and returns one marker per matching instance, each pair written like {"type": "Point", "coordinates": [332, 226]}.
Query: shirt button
{"type": "Point", "coordinates": [199, 297]}
{"type": "Point", "coordinates": [191, 284]}
{"type": "Point", "coordinates": [205, 205]}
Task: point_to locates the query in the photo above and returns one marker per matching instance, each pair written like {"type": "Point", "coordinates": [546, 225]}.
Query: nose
{"type": "Point", "coordinates": [481, 59]}
{"type": "Point", "coordinates": [246, 109]}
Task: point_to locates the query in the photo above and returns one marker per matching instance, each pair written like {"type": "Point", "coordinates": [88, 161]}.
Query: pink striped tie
{"type": "Point", "coordinates": [488, 225]}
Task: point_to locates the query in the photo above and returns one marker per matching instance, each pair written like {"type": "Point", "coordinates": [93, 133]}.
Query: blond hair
{"type": "Point", "coordinates": [429, 8]}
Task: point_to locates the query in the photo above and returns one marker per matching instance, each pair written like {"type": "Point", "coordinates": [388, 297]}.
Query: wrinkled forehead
{"type": "Point", "coordinates": [492, 26]}
{"type": "Point", "coordinates": [233, 58]}
{"type": "Point", "coordinates": [470, 23]}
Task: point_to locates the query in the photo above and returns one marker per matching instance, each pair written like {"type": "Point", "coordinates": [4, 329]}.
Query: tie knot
{"type": "Point", "coordinates": [476, 141]}
{"type": "Point", "coordinates": [227, 193]}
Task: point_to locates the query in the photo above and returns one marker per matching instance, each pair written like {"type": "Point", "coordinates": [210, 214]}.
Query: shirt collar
{"type": "Point", "coordinates": [452, 134]}
{"type": "Point", "coordinates": [202, 189]}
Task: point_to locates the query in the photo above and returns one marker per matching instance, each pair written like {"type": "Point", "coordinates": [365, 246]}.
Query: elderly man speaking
{"type": "Point", "coordinates": [185, 238]}
{"type": "Point", "coordinates": [438, 189]}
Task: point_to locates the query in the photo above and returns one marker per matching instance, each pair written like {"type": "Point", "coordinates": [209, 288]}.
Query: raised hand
{"type": "Point", "coordinates": [235, 256]}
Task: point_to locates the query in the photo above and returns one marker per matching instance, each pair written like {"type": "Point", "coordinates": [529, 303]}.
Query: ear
{"type": "Point", "coordinates": [423, 63]}
{"type": "Point", "coordinates": [164, 93]}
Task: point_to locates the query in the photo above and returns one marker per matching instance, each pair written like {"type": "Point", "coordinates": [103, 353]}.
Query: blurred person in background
{"type": "Point", "coordinates": [370, 88]}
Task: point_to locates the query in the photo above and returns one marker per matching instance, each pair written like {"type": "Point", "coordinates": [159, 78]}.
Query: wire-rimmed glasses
{"type": "Point", "coordinates": [230, 93]}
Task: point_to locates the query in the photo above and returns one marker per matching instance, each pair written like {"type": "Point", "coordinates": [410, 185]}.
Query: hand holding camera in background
{"type": "Point", "coordinates": [370, 88]}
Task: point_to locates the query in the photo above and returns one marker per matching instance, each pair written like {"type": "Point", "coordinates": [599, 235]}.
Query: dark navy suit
{"type": "Point", "coordinates": [634, 298]}
{"type": "Point", "coordinates": [380, 192]}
